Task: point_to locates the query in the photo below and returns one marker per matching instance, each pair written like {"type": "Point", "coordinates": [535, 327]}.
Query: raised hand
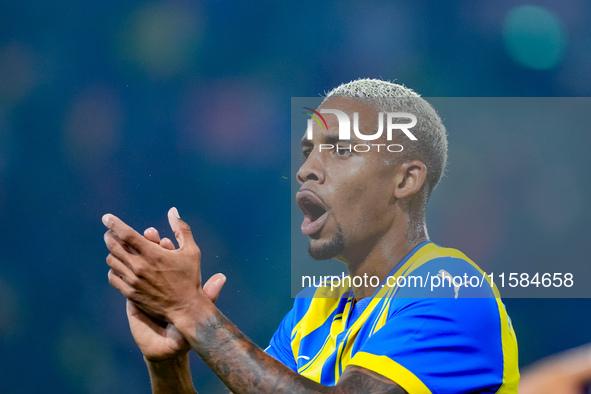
{"type": "Point", "coordinates": [157, 339]}
{"type": "Point", "coordinates": [164, 283]}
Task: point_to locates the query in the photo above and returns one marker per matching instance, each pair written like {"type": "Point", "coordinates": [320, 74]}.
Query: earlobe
{"type": "Point", "coordinates": [410, 179]}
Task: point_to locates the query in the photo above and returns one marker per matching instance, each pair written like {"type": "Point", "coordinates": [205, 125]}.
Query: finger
{"type": "Point", "coordinates": [213, 286]}
{"type": "Point", "coordinates": [137, 312]}
{"type": "Point", "coordinates": [118, 248]}
{"type": "Point", "coordinates": [120, 268]}
{"type": "Point", "coordinates": [151, 234]}
{"type": "Point", "coordinates": [182, 231]}
{"type": "Point", "coordinates": [126, 233]}
{"type": "Point", "coordinates": [167, 244]}
{"type": "Point", "coordinates": [118, 283]}
{"type": "Point", "coordinates": [128, 248]}
{"type": "Point", "coordinates": [132, 309]}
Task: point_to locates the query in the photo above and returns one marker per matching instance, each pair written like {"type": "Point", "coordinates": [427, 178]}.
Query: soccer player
{"type": "Point", "coordinates": [366, 209]}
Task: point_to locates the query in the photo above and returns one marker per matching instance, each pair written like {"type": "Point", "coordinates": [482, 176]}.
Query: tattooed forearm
{"type": "Point", "coordinates": [239, 363]}
{"type": "Point", "coordinates": [245, 368]}
{"type": "Point", "coordinates": [360, 380]}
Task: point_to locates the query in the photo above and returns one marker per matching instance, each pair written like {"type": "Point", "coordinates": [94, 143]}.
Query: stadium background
{"type": "Point", "coordinates": [133, 107]}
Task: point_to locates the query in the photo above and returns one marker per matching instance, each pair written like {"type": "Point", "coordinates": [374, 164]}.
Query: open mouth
{"type": "Point", "coordinates": [315, 212]}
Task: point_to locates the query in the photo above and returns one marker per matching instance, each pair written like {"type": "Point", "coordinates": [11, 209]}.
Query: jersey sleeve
{"type": "Point", "coordinates": [280, 345]}
{"type": "Point", "coordinates": [438, 345]}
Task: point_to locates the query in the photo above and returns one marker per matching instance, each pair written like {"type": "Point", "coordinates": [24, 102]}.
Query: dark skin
{"type": "Point", "coordinates": [363, 191]}
{"type": "Point", "coordinates": [164, 348]}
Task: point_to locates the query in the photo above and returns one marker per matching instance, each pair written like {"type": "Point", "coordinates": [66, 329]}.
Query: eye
{"type": "Point", "coordinates": [343, 151]}
{"type": "Point", "coordinates": [306, 153]}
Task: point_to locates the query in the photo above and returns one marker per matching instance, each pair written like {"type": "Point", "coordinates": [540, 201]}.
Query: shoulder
{"type": "Point", "coordinates": [445, 286]}
{"type": "Point", "coordinates": [438, 272]}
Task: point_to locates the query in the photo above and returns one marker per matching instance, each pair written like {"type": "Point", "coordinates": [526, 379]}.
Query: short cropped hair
{"type": "Point", "coordinates": [431, 144]}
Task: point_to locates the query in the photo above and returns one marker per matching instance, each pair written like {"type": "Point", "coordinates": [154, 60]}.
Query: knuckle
{"type": "Point", "coordinates": [159, 260]}
{"type": "Point", "coordinates": [140, 270]}
{"type": "Point", "coordinates": [129, 294]}
{"type": "Point", "coordinates": [193, 251]}
{"type": "Point", "coordinates": [156, 257]}
{"type": "Point", "coordinates": [111, 242]}
{"type": "Point", "coordinates": [197, 252]}
{"type": "Point", "coordinates": [133, 281]}
{"type": "Point", "coordinates": [110, 260]}
{"type": "Point", "coordinates": [178, 233]}
{"type": "Point", "coordinates": [134, 295]}
{"type": "Point", "coordinates": [112, 278]}
{"type": "Point", "coordinates": [125, 234]}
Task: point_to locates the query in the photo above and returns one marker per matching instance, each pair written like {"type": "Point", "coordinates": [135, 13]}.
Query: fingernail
{"type": "Point", "coordinates": [176, 213]}
{"type": "Point", "coordinates": [106, 220]}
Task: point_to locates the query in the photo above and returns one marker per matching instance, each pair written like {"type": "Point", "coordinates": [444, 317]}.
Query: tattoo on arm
{"type": "Point", "coordinates": [360, 380]}
{"type": "Point", "coordinates": [245, 368]}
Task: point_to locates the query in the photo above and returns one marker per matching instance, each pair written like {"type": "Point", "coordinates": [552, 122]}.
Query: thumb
{"type": "Point", "coordinates": [213, 286]}
{"type": "Point", "coordinates": [182, 231]}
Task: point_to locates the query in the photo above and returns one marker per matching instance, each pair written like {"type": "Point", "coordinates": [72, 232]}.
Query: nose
{"type": "Point", "coordinates": [311, 170]}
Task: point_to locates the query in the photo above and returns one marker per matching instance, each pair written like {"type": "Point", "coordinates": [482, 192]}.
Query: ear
{"type": "Point", "coordinates": [409, 179]}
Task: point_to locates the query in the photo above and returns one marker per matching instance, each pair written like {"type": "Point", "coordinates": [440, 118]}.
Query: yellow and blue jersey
{"type": "Point", "coordinates": [442, 340]}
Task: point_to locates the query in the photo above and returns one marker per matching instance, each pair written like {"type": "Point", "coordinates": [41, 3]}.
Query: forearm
{"type": "Point", "coordinates": [171, 376]}
{"type": "Point", "coordinates": [238, 362]}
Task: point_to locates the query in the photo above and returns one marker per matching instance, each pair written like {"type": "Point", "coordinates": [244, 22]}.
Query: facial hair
{"type": "Point", "coordinates": [330, 249]}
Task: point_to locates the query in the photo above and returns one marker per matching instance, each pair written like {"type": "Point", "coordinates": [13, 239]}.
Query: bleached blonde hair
{"type": "Point", "coordinates": [431, 144]}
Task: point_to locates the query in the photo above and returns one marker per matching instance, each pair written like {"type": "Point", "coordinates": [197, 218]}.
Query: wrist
{"type": "Point", "coordinates": [191, 318]}
{"type": "Point", "coordinates": [171, 374]}
{"type": "Point", "coordinates": [167, 361]}
{"type": "Point", "coordinates": [171, 362]}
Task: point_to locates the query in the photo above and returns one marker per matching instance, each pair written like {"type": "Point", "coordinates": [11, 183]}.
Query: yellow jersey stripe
{"type": "Point", "coordinates": [389, 368]}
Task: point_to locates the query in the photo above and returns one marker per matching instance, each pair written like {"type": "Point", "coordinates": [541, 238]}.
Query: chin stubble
{"type": "Point", "coordinates": [332, 248]}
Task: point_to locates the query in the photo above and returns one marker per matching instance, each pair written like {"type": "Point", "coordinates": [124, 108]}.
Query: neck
{"type": "Point", "coordinates": [385, 254]}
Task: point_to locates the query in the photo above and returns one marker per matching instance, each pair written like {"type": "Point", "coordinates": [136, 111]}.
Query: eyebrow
{"type": "Point", "coordinates": [329, 139]}
{"type": "Point", "coordinates": [306, 142]}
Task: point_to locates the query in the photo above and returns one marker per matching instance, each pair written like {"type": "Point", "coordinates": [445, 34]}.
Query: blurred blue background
{"type": "Point", "coordinates": [133, 107]}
